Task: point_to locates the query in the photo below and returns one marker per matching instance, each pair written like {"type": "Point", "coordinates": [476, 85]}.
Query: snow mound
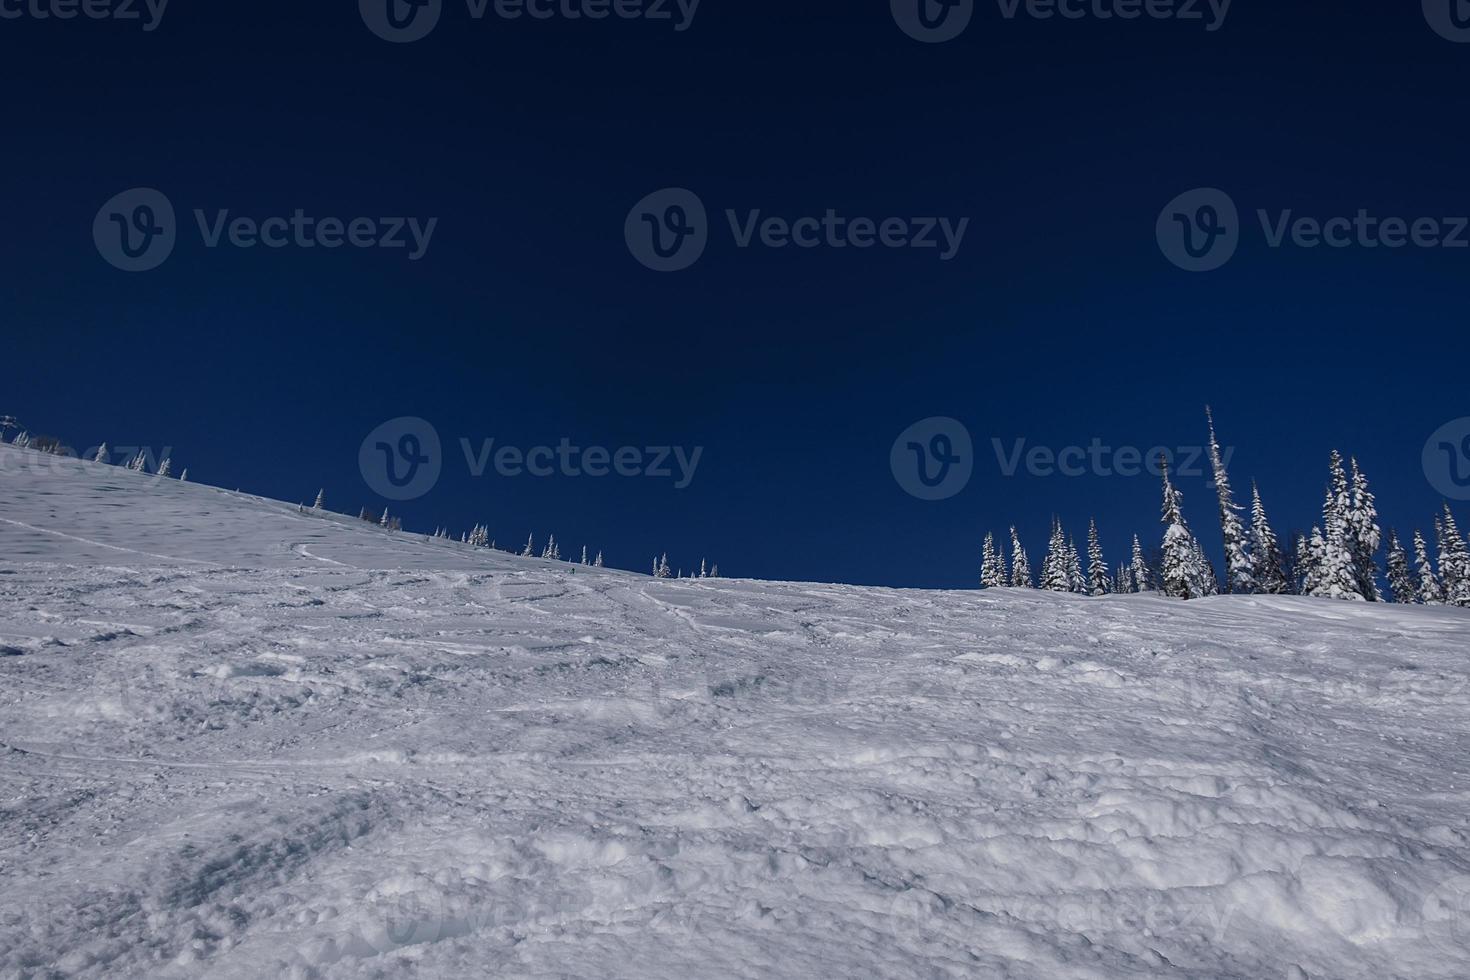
{"type": "Point", "coordinates": [240, 739]}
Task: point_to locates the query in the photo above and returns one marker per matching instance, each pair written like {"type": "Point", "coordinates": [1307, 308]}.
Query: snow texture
{"type": "Point", "coordinates": [245, 739]}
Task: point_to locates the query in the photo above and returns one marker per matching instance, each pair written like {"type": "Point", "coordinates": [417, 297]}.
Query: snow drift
{"type": "Point", "coordinates": [239, 740]}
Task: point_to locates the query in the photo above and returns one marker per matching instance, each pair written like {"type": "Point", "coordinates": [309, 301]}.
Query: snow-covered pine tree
{"type": "Point", "coordinates": [1075, 578]}
{"type": "Point", "coordinates": [103, 454]}
{"type": "Point", "coordinates": [1266, 566]}
{"type": "Point", "coordinates": [321, 500]}
{"type": "Point", "coordinates": [597, 563]}
{"type": "Point", "coordinates": [1123, 580]}
{"type": "Point", "coordinates": [1365, 535]}
{"type": "Point", "coordinates": [1183, 576]}
{"type": "Point", "coordinates": [1239, 576]}
{"type": "Point", "coordinates": [184, 476]}
{"type": "Point", "coordinates": [1337, 568]}
{"type": "Point", "coordinates": [362, 514]}
{"type": "Point", "coordinates": [1209, 581]}
{"type": "Point", "coordinates": [1430, 592]}
{"type": "Point", "coordinates": [1139, 574]}
{"type": "Point", "coordinates": [585, 559]}
{"type": "Point", "coordinates": [703, 569]}
{"type": "Point", "coordinates": [1020, 565]}
{"type": "Point", "coordinates": [992, 565]}
{"type": "Point", "coordinates": [1097, 566]}
{"type": "Point", "coordinates": [1310, 553]}
{"type": "Point", "coordinates": [166, 467]}
{"type": "Point", "coordinates": [1400, 578]}
{"type": "Point", "coordinates": [530, 550]}
{"type": "Point", "coordinates": [22, 441]}
{"type": "Point", "coordinates": [714, 571]}
{"type": "Point", "coordinates": [661, 567]}
{"type": "Point", "coordinates": [383, 522]}
{"type": "Point", "coordinates": [1454, 561]}
{"type": "Point", "coordinates": [139, 463]}
{"type": "Point", "coordinates": [1054, 572]}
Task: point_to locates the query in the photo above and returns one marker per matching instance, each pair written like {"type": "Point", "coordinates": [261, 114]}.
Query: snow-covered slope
{"type": "Point", "coordinates": [243, 741]}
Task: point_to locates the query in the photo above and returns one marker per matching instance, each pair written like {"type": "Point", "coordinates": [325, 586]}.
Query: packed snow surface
{"type": "Point", "coordinates": [241, 740]}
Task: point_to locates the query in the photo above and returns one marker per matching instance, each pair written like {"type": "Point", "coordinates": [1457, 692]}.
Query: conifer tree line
{"type": "Point", "coordinates": [1339, 559]}
{"type": "Point", "coordinates": [52, 446]}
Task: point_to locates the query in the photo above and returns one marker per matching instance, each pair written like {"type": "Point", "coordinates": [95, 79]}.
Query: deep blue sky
{"type": "Point", "coordinates": [528, 320]}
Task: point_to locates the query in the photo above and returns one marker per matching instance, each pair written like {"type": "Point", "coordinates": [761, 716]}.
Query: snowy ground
{"type": "Point", "coordinates": [241, 741]}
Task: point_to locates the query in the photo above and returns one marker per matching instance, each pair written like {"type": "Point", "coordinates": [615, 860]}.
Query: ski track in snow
{"type": "Point", "coordinates": [303, 746]}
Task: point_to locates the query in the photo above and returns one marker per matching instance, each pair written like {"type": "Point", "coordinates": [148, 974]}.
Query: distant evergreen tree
{"type": "Point", "coordinates": [103, 454]}
{"type": "Point", "coordinates": [321, 500]}
{"type": "Point", "coordinates": [184, 476]}
{"type": "Point", "coordinates": [1309, 551]}
{"type": "Point", "coordinates": [1454, 561]}
{"type": "Point", "coordinates": [1075, 579]}
{"type": "Point", "coordinates": [384, 521]}
{"type": "Point", "coordinates": [585, 560]}
{"type": "Point", "coordinates": [661, 567]}
{"type": "Point", "coordinates": [714, 571]}
{"type": "Point", "coordinates": [139, 463]}
{"type": "Point", "coordinates": [1183, 576]}
{"type": "Point", "coordinates": [1239, 576]}
{"type": "Point", "coordinates": [1123, 580]}
{"type": "Point", "coordinates": [703, 569]}
{"type": "Point", "coordinates": [1336, 572]}
{"type": "Point", "coordinates": [1209, 580]}
{"type": "Point", "coordinates": [1430, 592]}
{"type": "Point", "coordinates": [1055, 576]}
{"type": "Point", "coordinates": [1365, 536]}
{"type": "Point", "coordinates": [552, 551]}
{"type": "Point", "coordinates": [1400, 578]}
{"type": "Point", "coordinates": [1020, 565]}
{"type": "Point", "coordinates": [1266, 565]}
{"type": "Point", "coordinates": [992, 565]}
{"type": "Point", "coordinates": [166, 467]}
{"type": "Point", "coordinates": [1141, 579]}
{"type": "Point", "coordinates": [1097, 566]}
{"type": "Point", "coordinates": [530, 550]}
{"type": "Point", "coordinates": [598, 562]}
{"type": "Point", "coordinates": [22, 441]}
